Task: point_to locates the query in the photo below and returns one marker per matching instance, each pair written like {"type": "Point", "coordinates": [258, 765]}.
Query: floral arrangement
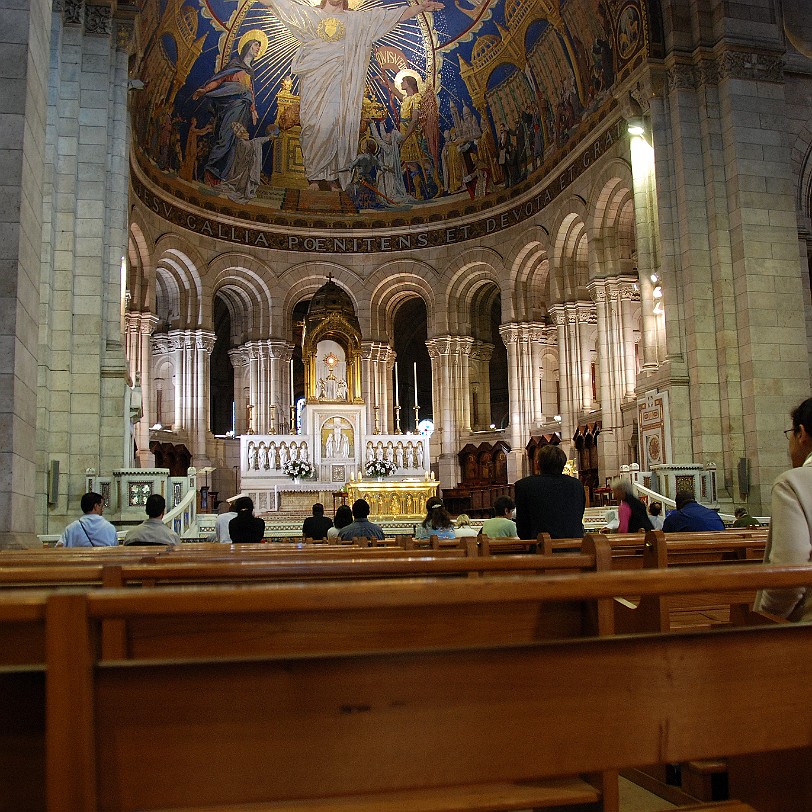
{"type": "Point", "coordinates": [298, 469]}
{"type": "Point", "coordinates": [380, 468]}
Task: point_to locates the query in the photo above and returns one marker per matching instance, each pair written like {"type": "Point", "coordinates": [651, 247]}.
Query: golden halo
{"type": "Point", "coordinates": [421, 85]}
{"type": "Point", "coordinates": [256, 34]}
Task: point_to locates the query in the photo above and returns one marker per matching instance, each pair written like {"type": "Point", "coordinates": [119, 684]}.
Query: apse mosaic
{"type": "Point", "coordinates": [267, 109]}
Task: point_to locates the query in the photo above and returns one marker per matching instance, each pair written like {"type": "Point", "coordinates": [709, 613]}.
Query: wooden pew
{"type": "Point", "coordinates": [396, 721]}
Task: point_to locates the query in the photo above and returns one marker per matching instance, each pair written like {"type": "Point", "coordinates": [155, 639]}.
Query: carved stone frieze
{"type": "Point", "coordinates": [74, 12]}
{"type": "Point", "coordinates": [756, 67]}
{"type": "Point", "coordinates": [98, 20]}
{"type": "Point", "coordinates": [682, 77]}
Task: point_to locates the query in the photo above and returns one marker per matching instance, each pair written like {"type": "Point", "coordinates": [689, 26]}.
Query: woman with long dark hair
{"type": "Point", "coordinates": [437, 522]}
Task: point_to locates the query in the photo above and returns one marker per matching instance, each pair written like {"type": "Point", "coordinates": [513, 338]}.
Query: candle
{"type": "Point", "coordinates": [397, 394]}
{"type": "Point", "coordinates": [415, 384]}
{"type": "Point", "coordinates": [292, 396]}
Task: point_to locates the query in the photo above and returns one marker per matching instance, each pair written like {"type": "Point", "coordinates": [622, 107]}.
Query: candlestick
{"type": "Point", "coordinates": [376, 409]}
{"type": "Point", "coordinates": [415, 385]}
{"type": "Point", "coordinates": [397, 420]}
{"type": "Point", "coordinates": [416, 417]}
{"type": "Point", "coordinates": [293, 420]}
{"type": "Point", "coordinates": [397, 391]}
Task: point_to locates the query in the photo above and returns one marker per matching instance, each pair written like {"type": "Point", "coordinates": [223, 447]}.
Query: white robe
{"type": "Point", "coordinates": [331, 79]}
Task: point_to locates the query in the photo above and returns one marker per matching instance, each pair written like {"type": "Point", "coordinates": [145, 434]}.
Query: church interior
{"type": "Point", "coordinates": [585, 223]}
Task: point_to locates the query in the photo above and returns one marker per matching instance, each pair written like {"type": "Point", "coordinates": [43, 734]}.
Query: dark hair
{"type": "Point", "coordinates": [360, 509]}
{"type": "Point", "coordinates": [655, 508]}
{"type": "Point", "coordinates": [155, 505]}
{"type": "Point", "coordinates": [407, 79]}
{"type": "Point", "coordinates": [683, 498]}
{"type": "Point", "coordinates": [343, 517]}
{"type": "Point", "coordinates": [243, 503]}
{"type": "Point", "coordinates": [552, 460]}
{"type": "Point", "coordinates": [318, 509]}
{"type": "Point", "coordinates": [802, 416]}
{"type": "Point", "coordinates": [504, 504]}
{"type": "Point", "coordinates": [740, 511]}
{"type": "Point", "coordinates": [436, 515]}
{"type": "Point", "coordinates": [90, 500]}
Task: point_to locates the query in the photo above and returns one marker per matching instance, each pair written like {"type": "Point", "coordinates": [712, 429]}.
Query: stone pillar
{"type": "Point", "coordinates": [240, 364]}
{"type": "Point", "coordinates": [561, 317]}
{"type": "Point", "coordinates": [377, 359]}
{"type": "Point", "coordinates": [24, 72]}
{"type": "Point", "coordinates": [83, 393]}
{"type": "Point", "coordinates": [139, 329]}
{"type": "Point", "coordinates": [480, 379]}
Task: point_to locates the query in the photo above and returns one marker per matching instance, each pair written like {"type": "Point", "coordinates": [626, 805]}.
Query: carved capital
{"type": "Point", "coordinates": [682, 77]}
{"type": "Point", "coordinates": [99, 20]}
{"type": "Point", "coordinates": [755, 67]}
{"type": "Point", "coordinates": [73, 12]}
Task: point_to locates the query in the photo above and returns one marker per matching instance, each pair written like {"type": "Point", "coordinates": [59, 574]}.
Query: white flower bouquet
{"type": "Point", "coordinates": [298, 469]}
{"type": "Point", "coordinates": [380, 468]}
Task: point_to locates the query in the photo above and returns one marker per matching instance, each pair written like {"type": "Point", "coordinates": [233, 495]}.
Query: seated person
{"type": "Point", "coordinates": [361, 527]}
{"type": "Point", "coordinates": [226, 514]}
{"type": "Point", "coordinates": [744, 519]}
{"type": "Point", "coordinates": [437, 522]}
{"type": "Point", "coordinates": [690, 516]}
{"type": "Point", "coordinates": [502, 524]}
{"type": "Point", "coordinates": [463, 527]}
{"type": "Point", "coordinates": [92, 529]}
{"type": "Point", "coordinates": [342, 518]}
{"type": "Point", "coordinates": [153, 531]}
{"type": "Point", "coordinates": [246, 528]}
{"type": "Point", "coordinates": [655, 515]}
{"type": "Point", "coordinates": [317, 525]}
{"type": "Point", "coordinates": [789, 539]}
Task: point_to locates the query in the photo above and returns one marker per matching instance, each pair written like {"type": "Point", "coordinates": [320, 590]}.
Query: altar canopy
{"type": "Point", "coordinates": [339, 428]}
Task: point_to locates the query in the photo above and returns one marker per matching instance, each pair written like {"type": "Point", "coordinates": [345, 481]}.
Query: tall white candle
{"type": "Point", "coordinates": [292, 396]}
{"type": "Point", "coordinates": [415, 384]}
{"type": "Point", "coordinates": [397, 393]}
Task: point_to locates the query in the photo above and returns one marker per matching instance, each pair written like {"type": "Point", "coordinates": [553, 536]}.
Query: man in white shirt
{"type": "Point", "coordinates": [221, 528]}
{"type": "Point", "coordinates": [92, 530]}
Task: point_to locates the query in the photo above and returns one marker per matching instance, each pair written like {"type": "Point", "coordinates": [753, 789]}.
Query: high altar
{"type": "Point", "coordinates": [335, 435]}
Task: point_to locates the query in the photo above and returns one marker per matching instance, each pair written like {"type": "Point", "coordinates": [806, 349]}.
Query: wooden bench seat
{"type": "Point", "coordinates": [394, 715]}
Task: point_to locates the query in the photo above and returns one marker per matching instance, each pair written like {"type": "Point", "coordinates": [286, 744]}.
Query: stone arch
{"type": "Point", "coordinates": [802, 158]}
{"type": "Point", "coordinates": [530, 274]}
{"type": "Point", "coordinates": [392, 284]}
{"type": "Point", "coordinates": [612, 225]}
{"type": "Point", "coordinates": [571, 253]}
{"type": "Point", "coordinates": [240, 281]}
{"type": "Point", "coordinates": [178, 284]}
{"type": "Point", "coordinates": [140, 273]}
{"type": "Point", "coordinates": [468, 274]}
{"type": "Point", "coordinates": [301, 281]}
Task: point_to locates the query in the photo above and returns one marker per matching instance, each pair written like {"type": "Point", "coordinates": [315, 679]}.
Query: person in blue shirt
{"type": "Point", "coordinates": [437, 522]}
{"type": "Point", "coordinates": [361, 527]}
{"type": "Point", "coordinates": [690, 516]}
{"type": "Point", "coordinates": [92, 530]}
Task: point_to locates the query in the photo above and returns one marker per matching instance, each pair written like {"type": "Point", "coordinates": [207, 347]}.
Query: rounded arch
{"type": "Point", "coordinates": [241, 282]}
{"type": "Point", "coordinates": [301, 281]}
{"type": "Point", "coordinates": [530, 274]}
{"type": "Point", "coordinates": [394, 283]}
{"type": "Point", "coordinates": [179, 287]}
{"type": "Point", "coordinates": [468, 273]}
{"type": "Point", "coordinates": [612, 224]}
{"type": "Point", "coordinates": [571, 253]}
{"type": "Point", "coordinates": [140, 276]}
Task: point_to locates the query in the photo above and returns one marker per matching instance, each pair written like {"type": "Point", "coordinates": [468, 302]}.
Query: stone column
{"type": "Point", "coordinates": [240, 364]}
{"type": "Point", "coordinates": [479, 376]}
{"type": "Point", "coordinates": [377, 359]}
{"type": "Point", "coordinates": [203, 346]}
{"type": "Point", "coordinates": [560, 317]}
{"type": "Point", "coordinates": [24, 73]}
{"type": "Point", "coordinates": [139, 329]}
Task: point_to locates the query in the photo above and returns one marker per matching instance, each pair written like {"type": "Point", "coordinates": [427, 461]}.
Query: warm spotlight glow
{"type": "Point", "coordinates": [636, 127]}
{"type": "Point", "coordinates": [657, 293]}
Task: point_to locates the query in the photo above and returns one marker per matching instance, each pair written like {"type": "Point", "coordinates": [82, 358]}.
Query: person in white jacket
{"type": "Point", "coordinates": [790, 536]}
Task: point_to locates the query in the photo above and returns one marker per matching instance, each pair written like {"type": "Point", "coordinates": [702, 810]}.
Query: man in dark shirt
{"type": "Point", "coordinates": [361, 527]}
{"type": "Point", "coordinates": [690, 516]}
{"type": "Point", "coordinates": [317, 525]}
{"type": "Point", "coordinates": [551, 502]}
